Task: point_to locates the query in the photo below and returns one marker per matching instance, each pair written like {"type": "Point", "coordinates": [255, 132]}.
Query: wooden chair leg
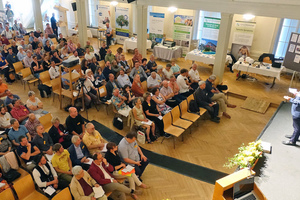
{"type": "Point", "coordinates": [174, 141]}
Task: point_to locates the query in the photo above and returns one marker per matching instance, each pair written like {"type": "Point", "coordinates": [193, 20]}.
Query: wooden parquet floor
{"type": "Point", "coordinates": [208, 145]}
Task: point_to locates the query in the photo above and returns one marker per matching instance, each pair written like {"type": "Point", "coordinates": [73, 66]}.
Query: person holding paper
{"type": "Point", "coordinates": [141, 120]}
{"type": "Point", "coordinates": [132, 154]}
{"type": "Point", "coordinates": [295, 110]}
{"type": "Point", "coordinates": [114, 159]}
{"type": "Point", "coordinates": [79, 153]}
{"type": "Point", "coordinates": [93, 139]}
{"type": "Point", "coordinates": [101, 170]}
{"type": "Point", "coordinates": [83, 186]}
{"type": "Point", "coordinates": [44, 174]}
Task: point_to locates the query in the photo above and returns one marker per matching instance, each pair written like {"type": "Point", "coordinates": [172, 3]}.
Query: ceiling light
{"type": "Point", "coordinates": [248, 16]}
{"type": "Point", "coordinates": [114, 3]}
{"type": "Point", "coordinates": [172, 9]}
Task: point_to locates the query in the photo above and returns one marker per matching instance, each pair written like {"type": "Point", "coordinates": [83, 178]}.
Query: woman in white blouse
{"type": "Point", "coordinates": [88, 55]}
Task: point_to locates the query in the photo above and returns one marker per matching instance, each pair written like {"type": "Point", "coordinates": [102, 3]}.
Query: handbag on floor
{"type": "Point", "coordinates": [141, 138]}
{"type": "Point", "coordinates": [118, 123]}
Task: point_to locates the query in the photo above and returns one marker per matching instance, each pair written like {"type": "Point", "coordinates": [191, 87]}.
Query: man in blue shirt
{"type": "Point", "coordinates": [27, 152]}
{"type": "Point", "coordinates": [17, 131]}
{"type": "Point", "coordinates": [296, 119]}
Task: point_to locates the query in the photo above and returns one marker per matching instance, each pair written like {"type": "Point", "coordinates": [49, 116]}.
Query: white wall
{"type": "Point", "coordinates": [264, 34]}
{"type": "Point", "coordinates": [72, 21]}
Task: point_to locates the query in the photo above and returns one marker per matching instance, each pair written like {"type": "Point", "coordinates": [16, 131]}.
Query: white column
{"type": "Point", "coordinates": [81, 17]}
{"type": "Point", "coordinates": [1, 5]}
{"type": "Point", "coordinates": [38, 20]}
{"type": "Point", "coordinates": [223, 39]}
{"type": "Point", "coordinates": [141, 29]}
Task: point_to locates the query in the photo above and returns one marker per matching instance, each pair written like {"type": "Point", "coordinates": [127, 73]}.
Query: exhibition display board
{"type": "Point", "coordinates": [292, 55]}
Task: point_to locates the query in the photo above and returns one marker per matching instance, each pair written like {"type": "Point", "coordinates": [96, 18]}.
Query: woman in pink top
{"type": "Point", "coordinates": [174, 86]}
{"type": "Point", "coordinates": [71, 46]}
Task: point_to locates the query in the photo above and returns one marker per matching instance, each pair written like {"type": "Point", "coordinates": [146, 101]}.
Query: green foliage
{"type": "Point", "coordinates": [121, 21]}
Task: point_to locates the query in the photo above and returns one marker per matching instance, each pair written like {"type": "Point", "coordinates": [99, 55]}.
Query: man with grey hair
{"type": "Point", "coordinates": [82, 185]}
{"type": "Point", "coordinates": [43, 140]}
{"type": "Point", "coordinates": [204, 101]}
{"type": "Point", "coordinates": [194, 76]}
{"type": "Point", "coordinates": [152, 64]}
{"type": "Point", "coordinates": [119, 102]}
{"type": "Point", "coordinates": [153, 80]}
{"type": "Point", "coordinates": [79, 153]}
{"type": "Point", "coordinates": [31, 124]}
{"type": "Point", "coordinates": [93, 139]}
{"type": "Point", "coordinates": [172, 99]}
{"type": "Point", "coordinates": [217, 96]}
{"type": "Point", "coordinates": [28, 59]}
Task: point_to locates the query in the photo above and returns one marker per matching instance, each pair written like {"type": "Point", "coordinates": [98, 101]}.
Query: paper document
{"type": "Point", "coordinates": [128, 168]}
{"type": "Point", "coordinates": [292, 48]}
{"type": "Point", "coordinates": [294, 37]}
{"type": "Point", "coordinates": [104, 148]}
{"type": "Point", "coordinates": [90, 161]}
{"type": "Point", "coordinates": [49, 190]}
{"type": "Point", "coordinates": [2, 184]}
{"type": "Point", "coordinates": [147, 123]}
{"type": "Point", "coordinates": [293, 90]}
{"type": "Point", "coordinates": [98, 192]}
{"type": "Point", "coordinates": [1, 132]}
{"type": "Point", "coordinates": [297, 59]}
{"type": "Point", "coordinates": [160, 117]}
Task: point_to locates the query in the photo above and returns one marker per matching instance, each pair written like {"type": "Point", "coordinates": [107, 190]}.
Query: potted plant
{"type": "Point", "coordinates": [247, 156]}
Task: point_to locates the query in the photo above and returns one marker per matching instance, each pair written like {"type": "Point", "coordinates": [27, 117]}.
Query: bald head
{"type": "Point", "coordinates": [165, 83]}
{"type": "Point", "coordinates": [73, 112]}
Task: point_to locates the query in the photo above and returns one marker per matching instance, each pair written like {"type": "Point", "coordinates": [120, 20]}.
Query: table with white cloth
{"type": "Point", "coordinates": [131, 43]}
{"type": "Point", "coordinates": [88, 32]}
{"type": "Point", "coordinates": [209, 59]}
{"type": "Point", "coordinates": [262, 69]}
{"type": "Point", "coordinates": [167, 53]}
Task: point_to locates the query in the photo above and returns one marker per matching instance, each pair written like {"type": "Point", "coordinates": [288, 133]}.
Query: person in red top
{"type": "Point", "coordinates": [137, 87]}
{"type": "Point", "coordinates": [101, 170]}
{"type": "Point", "coordinates": [4, 40]}
{"type": "Point", "coordinates": [20, 112]}
{"type": "Point", "coordinates": [137, 57]}
{"type": "Point", "coordinates": [3, 87]}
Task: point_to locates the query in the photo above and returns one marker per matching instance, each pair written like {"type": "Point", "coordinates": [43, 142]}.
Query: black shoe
{"type": "Point", "coordinates": [218, 118]}
{"type": "Point", "coordinates": [289, 143]}
{"type": "Point", "coordinates": [215, 120]}
{"type": "Point", "coordinates": [290, 136]}
{"type": "Point", "coordinates": [167, 135]}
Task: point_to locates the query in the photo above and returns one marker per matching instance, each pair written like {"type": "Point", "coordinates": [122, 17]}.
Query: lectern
{"type": "Point", "coordinates": [224, 186]}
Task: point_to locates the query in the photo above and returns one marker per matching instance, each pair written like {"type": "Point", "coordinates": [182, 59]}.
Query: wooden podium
{"type": "Point", "coordinates": [224, 186]}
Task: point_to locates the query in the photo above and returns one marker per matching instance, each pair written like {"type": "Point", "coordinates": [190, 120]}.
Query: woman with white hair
{"type": "Point", "coordinates": [35, 105]}
{"type": "Point", "coordinates": [160, 72]}
{"type": "Point", "coordinates": [82, 185]}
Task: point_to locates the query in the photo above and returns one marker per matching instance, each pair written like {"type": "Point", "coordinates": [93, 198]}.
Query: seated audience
{"type": "Point", "coordinates": [103, 51]}
{"type": "Point", "coordinates": [99, 77]}
{"type": "Point", "coordinates": [152, 64]}
{"type": "Point", "coordinates": [101, 170]}
{"type": "Point", "coordinates": [35, 105]}
{"type": "Point", "coordinates": [153, 81]}
{"type": "Point", "coordinates": [71, 46]}
{"type": "Point", "coordinates": [36, 67]}
{"type": "Point", "coordinates": [93, 139]}
{"type": "Point", "coordinates": [44, 174]}
{"type": "Point", "coordinates": [160, 101]}
{"type": "Point", "coordinates": [5, 145]}
{"type": "Point", "coordinates": [11, 58]}
{"type": "Point", "coordinates": [39, 55]}
{"type": "Point", "coordinates": [111, 85]}
{"type": "Point", "coordinates": [132, 156]}
{"type": "Point", "coordinates": [88, 45]}
{"type": "Point", "coordinates": [31, 124]}
{"type": "Point", "coordinates": [43, 140]}
{"type": "Point", "coordinates": [4, 52]}
{"type": "Point", "coordinates": [80, 51]}
{"type": "Point", "coordinates": [114, 159]}
{"type": "Point", "coordinates": [21, 54]}
{"type": "Point", "coordinates": [49, 31]}
{"type": "Point", "coordinates": [115, 67]}
{"type": "Point", "coordinates": [46, 62]}
{"type": "Point", "coordinates": [153, 113]}
{"type": "Point", "coordinates": [4, 66]}
{"type": "Point", "coordinates": [107, 70]}
{"type": "Point", "coordinates": [75, 123]}
{"type": "Point", "coordinates": [89, 75]}
{"type": "Point", "coordinates": [168, 72]}
{"type": "Point", "coordinates": [14, 47]}
{"type": "Point", "coordinates": [90, 93]}
{"type": "Point", "coordinates": [5, 118]}
{"type": "Point", "coordinates": [123, 79]}
{"type": "Point", "coordinates": [84, 65]}
{"type": "Point", "coordinates": [204, 101]}
{"type": "Point", "coordinates": [118, 54]}
{"type": "Point", "coordinates": [82, 185]}
{"type": "Point", "coordinates": [137, 87]}
{"type": "Point", "coordinates": [119, 102]}
{"type": "Point", "coordinates": [160, 72]}
{"type": "Point", "coordinates": [16, 131]}
{"type": "Point", "coordinates": [94, 64]}
{"type": "Point", "coordinates": [88, 55]}
{"type": "Point", "coordinates": [54, 70]}
{"type": "Point", "coordinates": [61, 38]}
{"type": "Point", "coordinates": [124, 64]}
{"type": "Point", "coordinates": [126, 92]}
{"type": "Point", "coordinates": [27, 152]}
{"type": "Point", "coordinates": [46, 38]}
{"type": "Point", "coordinates": [19, 112]}
{"type": "Point", "coordinates": [47, 47]}
{"type": "Point", "coordinates": [109, 56]}
{"type": "Point", "coordinates": [138, 70]}
{"type": "Point", "coordinates": [217, 96]}
{"type": "Point", "coordinates": [64, 54]}
{"type": "Point", "coordinates": [75, 56]}
{"type": "Point", "coordinates": [172, 99]}
{"type": "Point", "coordinates": [22, 29]}
{"type": "Point", "coordinates": [3, 88]}
{"type": "Point", "coordinates": [56, 58]}
{"type": "Point", "coordinates": [59, 134]}
{"type": "Point", "coordinates": [137, 57]}
{"type": "Point", "coordinates": [183, 83]}
{"type": "Point", "coordinates": [7, 33]}
{"type": "Point", "coordinates": [28, 59]}
{"type": "Point", "coordinates": [141, 120]}
{"type": "Point", "coordinates": [145, 66]}
{"type": "Point", "coordinates": [194, 76]}
{"type": "Point", "coordinates": [35, 43]}
{"type": "Point", "coordinates": [79, 153]}
{"type": "Point", "coordinates": [9, 99]}
{"type": "Point", "coordinates": [62, 163]}
{"type": "Point", "coordinates": [175, 68]}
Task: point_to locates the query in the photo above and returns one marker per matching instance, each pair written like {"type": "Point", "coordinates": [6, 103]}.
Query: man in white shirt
{"type": "Point", "coordinates": [183, 83]}
{"type": "Point", "coordinates": [194, 76]}
{"type": "Point", "coordinates": [75, 56]}
{"type": "Point", "coordinates": [54, 70]}
{"type": "Point", "coordinates": [5, 118]}
{"type": "Point", "coordinates": [123, 79]}
{"type": "Point", "coordinates": [90, 93]}
{"type": "Point", "coordinates": [7, 33]}
{"type": "Point", "coordinates": [153, 81]}
{"type": "Point", "coordinates": [46, 37]}
{"type": "Point", "coordinates": [28, 59]}
{"type": "Point", "coordinates": [44, 174]}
